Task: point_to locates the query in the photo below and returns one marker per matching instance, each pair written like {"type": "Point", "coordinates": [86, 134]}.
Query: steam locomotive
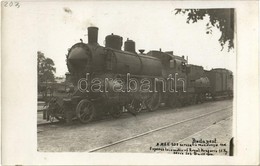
{"type": "Point", "coordinates": [108, 80]}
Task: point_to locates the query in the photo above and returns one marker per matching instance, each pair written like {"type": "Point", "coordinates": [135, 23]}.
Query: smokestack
{"type": "Point", "coordinates": [92, 35]}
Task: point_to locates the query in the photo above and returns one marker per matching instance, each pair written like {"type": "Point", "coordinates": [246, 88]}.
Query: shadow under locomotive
{"type": "Point", "coordinates": [110, 81]}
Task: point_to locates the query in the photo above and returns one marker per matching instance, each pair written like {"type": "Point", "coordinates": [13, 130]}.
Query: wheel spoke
{"type": "Point", "coordinates": [85, 111]}
{"type": "Point", "coordinates": [86, 115]}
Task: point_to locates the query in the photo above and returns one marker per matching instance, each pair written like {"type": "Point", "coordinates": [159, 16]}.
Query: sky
{"type": "Point", "coordinates": [56, 26]}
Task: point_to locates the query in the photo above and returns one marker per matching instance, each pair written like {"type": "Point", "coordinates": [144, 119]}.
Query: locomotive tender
{"type": "Point", "coordinates": [164, 77]}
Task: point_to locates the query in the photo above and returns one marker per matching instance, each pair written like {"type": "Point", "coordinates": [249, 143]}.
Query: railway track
{"type": "Point", "coordinates": [155, 130]}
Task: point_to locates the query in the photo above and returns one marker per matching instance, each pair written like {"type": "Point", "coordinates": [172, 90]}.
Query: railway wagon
{"type": "Point", "coordinates": [221, 82]}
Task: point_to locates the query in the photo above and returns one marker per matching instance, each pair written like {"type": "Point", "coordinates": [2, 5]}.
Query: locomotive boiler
{"type": "Point", "coordinates": [92, 58]}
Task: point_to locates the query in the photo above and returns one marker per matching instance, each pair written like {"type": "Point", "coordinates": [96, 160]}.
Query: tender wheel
{"type": "Point", "coordinates": [154, 101]}
{"type": "Point", "coordinates": [116, 111]}
{"type": "Point", "coordinates": [85, 111]}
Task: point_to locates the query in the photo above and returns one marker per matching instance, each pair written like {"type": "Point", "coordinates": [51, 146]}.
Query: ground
{"type": "Point", "coordinates": [143, 133]}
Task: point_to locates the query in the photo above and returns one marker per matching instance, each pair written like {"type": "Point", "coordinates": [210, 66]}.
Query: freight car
{"type": "Point", "coordinates": [221, 82]}
{"type": "Point", "coordinates": [108, 80]}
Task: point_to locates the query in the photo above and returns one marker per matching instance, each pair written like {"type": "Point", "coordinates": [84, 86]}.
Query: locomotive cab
{"type": "Point", "coordinates": [178, 63]}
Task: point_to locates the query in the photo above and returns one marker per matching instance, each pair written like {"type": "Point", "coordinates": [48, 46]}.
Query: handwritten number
{"type": "Point", "coordinates": [17, 4]}
{"type": "Point", "coordinates": [5, 4]}
{"type": "Point", "coordinates": [11, 4]}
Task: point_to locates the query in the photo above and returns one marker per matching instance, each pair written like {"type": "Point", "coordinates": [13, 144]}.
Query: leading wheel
{"type": "Point", "coordinates": [85, 111]}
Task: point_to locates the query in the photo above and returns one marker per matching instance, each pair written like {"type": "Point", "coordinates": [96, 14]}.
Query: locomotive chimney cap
{"type": "Point", "coordinates": [93, 27]}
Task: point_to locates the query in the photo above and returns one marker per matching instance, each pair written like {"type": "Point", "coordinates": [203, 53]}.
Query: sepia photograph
{"type": "Point", "coordinates": [147, 82]}
{"type": "Point", "coordinates": [164, 80]}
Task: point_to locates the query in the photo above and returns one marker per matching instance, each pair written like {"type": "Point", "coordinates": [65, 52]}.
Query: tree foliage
{"type": "Point", "coordinates": [223, 19]}
{"type": "Point", "coordinates": [45, 68]}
